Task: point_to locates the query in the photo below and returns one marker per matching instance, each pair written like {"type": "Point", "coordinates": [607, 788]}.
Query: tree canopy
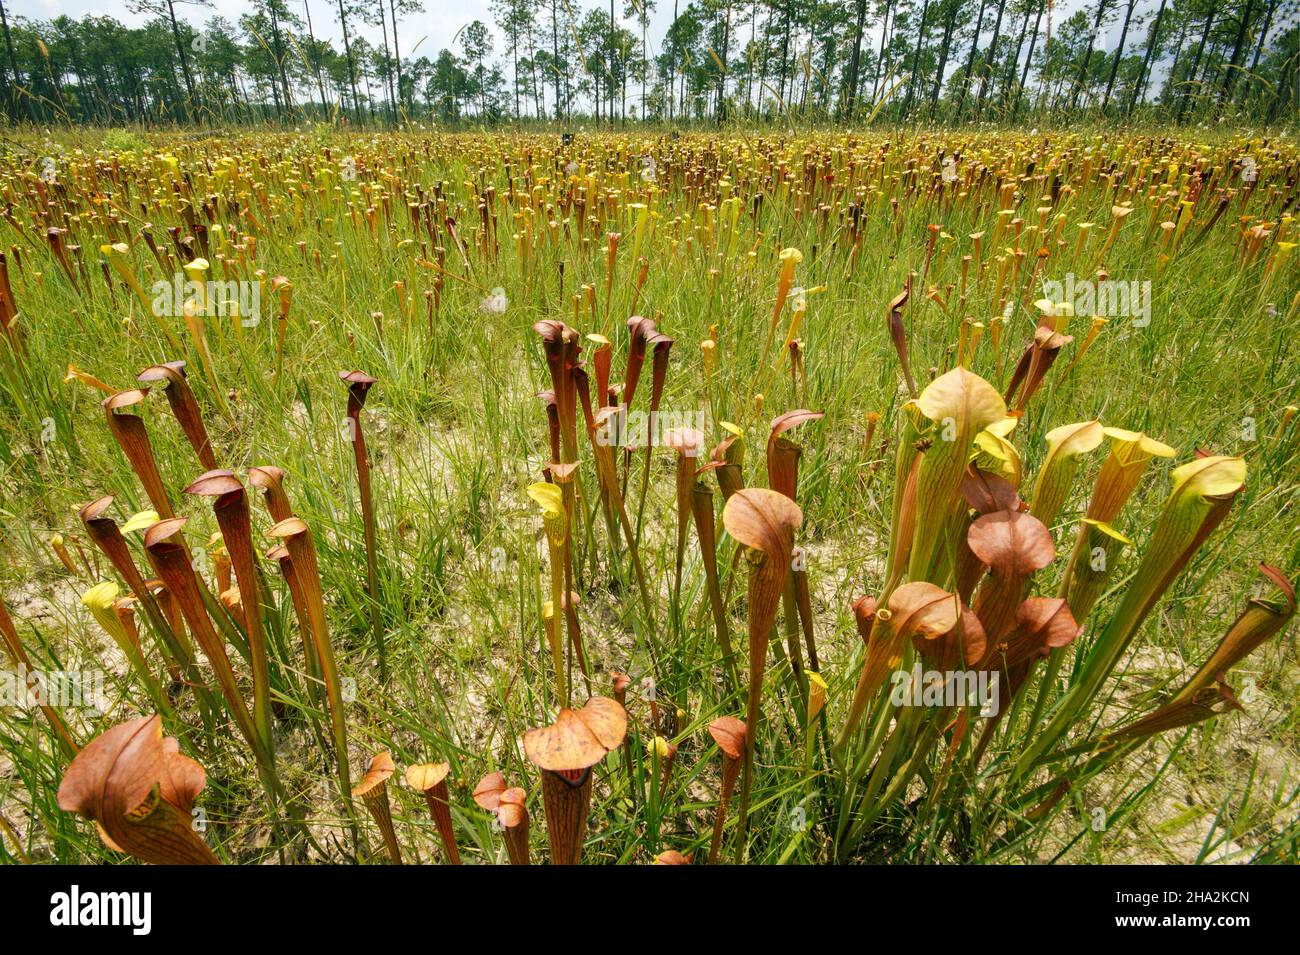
{"type": "Point", "coordinates": [1180, 61]}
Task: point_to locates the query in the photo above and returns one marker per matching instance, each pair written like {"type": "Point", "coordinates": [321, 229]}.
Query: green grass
{"type": "Point", "coordinates": [456, 434]}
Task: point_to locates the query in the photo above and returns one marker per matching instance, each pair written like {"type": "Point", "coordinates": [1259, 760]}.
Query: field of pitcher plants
{"type": "Point", "coordinates": [508, 499]}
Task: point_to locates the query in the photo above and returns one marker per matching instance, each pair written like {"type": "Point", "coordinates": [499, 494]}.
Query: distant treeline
{"type": "Point", "coordinates": [1172, 61]}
